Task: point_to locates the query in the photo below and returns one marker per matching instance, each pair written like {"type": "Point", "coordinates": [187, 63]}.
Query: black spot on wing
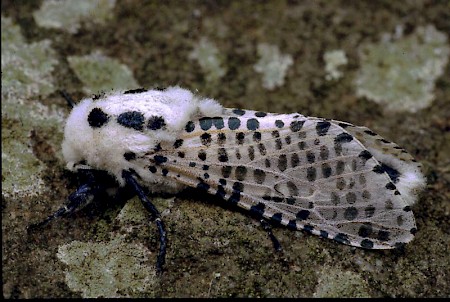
{"type": "Point", "coordinates": [190, 126]}
{"type": "Point", "coordinates": [221, 138]}
{"type": "Point", "coordinates": [240, 136]}
{"type": "Point", "coordinates": [259, 176]}
{"type": "Point", "coordinates": [234, 123]}
{"type": "Point", "coordinates": [178, 143]}
{"type": "Point", "coordinates": [203, 186]}
{"type": "Point", "coordinates": [257, 136]}
{"type": "Point", "coordinates": [295, 126]}
{"type": "Point", "coordinates": [311, 174]}
{"type": "Point", "coordinates": [258, 210]}
{"type": "Point", "coordinates": [222, 155]}
{"type": "Point", "coordinates": [302, 215]}
{"type": "Point", "coordinates": [292, 225]}
{"type": "Point", "coordinates": [205, 123]}
{"type": "Point", "coordinates": [369, 211]}
{"type": "Point", "coordinates": [279, 123]}
{"type": "Point", "coordinates": [240, 173]}
{"type": "Point", "coordinates": [206, 139]}
{"type": "Point", "coordinates": [383, 235]}
{"type": "Point", "coordinates": [342, 238]}
{"type": "Point", "coordinates": [282, 162]}
{"type": "Point", "coordinates": [239, 112]}
{"type": "Point", "coordinates": [322, 127]}
{"type": "Point", "coordinates": [221, 192]}
{"type": "Point", "coordinates": [366, 243]}
{"type": "Point", "coordinates": [326, 170]}
{"type": "Point", "coordinates": [350, 213]}
{"type": "Point", "coordinates": [277, 218]}
{"type": "Point", "coordinates": [390, 186]}
{"type": "Point", "coordinates": [252, 124]}
{"type": "Point", "coordinates": [218, 122]}
{"type": "Point", "coordinates": [202, 154]}
{"type": "Point", "coordinates": [391, 172]}
{"type": "Point", "coordinates": [339, 140]}
{"type": "Point", "coordinates": [365, 155]}
{"type": "Point", "coordinates": [343, 138]}
{"type": "Point", "coordinates": [371, 133]}
{"type": "Point", "coordinates": [365, 230]}
{"type": "Point", "coordinates": [310, 156]}
{"type": "Point", "coordinates": [226, 171]}
{"type": "Point", "coordinates": [159, 159]}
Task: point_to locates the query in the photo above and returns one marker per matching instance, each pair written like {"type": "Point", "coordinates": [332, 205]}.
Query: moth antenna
{"type": "Point", "coordinates": [68, 98]}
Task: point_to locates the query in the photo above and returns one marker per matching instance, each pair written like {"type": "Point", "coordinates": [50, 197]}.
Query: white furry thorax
{"type": "Point", "coordinates": [133, 122]}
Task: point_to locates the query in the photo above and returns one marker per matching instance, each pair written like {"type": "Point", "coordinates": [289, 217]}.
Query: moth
{"type": "Point", "coordinates": [326, 177]}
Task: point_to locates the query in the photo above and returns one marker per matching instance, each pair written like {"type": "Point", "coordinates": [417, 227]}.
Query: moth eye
{"type": "Point", "coordinates": [156, 122]}
{"type": "Point", "coordinates": [97, 118]}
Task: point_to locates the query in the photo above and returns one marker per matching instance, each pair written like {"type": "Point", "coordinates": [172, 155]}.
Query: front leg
{"type": "Point", "coordinates": [128, 176]}
{"type": "Point", "coordinates": [76, 201]}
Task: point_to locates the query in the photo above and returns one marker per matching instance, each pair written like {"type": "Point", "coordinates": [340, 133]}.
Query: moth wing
{"type": "Point", "coordinates": [305, 173]}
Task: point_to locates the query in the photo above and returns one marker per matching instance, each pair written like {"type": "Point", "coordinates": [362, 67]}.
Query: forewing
{"type": "Point", "coordinates": [305, 173]}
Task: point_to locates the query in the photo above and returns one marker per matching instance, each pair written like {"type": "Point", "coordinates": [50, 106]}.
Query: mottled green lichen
{"type": "Point", "coordinates": [208, 57]}
{"type": "Point", "coordinates": [333, 60]}
{"type": "Point", "coordinates": [273, 65]}
{"type": "Point", "coordinates": [108, 269]}
{"type": "Point", "coordinates": [26, 67]}
{"type": "Point", "coordinates": [400, 71]}
{"type": "Point", "coordinates": [134, 212]}
{"type": "Point", "coordinates": [26, 74]}
{"type": "Point", "coordinates": [101, 73]}
{"type": "Point", "coordinates": [68, 15]}
{"type": "Point", "coordinates": [337, 283]}
{"type": "Point", "coordinates": [116, 267]}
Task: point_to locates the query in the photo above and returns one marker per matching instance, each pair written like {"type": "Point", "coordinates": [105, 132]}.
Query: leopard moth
{"type": "Point", "coordinates": [326, 177]}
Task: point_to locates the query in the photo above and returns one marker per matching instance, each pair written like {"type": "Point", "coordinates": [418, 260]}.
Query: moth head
{"type": "Point", "coordinates": [77, 135]}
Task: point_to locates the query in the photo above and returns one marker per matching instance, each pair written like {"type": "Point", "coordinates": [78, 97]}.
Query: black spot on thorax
{"type": "Point", "coordinates": [134, 91]}
{"type": "Point", "coordinates": [156, 122]}
{"type": "Point", "coordinates": [131, 119]}
{"type": "Point", "coordinates": [97, 118]}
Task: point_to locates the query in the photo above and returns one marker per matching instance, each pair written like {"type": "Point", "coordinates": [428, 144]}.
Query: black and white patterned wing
{"type": "Point", "coordinates": [329, 178]}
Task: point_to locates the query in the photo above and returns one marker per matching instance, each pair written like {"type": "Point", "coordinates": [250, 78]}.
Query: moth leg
{"type": "Point", "coordinates": [128, 176]}
{"type": "Point", "coordinates": [268, 228]}
{"type": "Point", "coordinates": [76, 201]}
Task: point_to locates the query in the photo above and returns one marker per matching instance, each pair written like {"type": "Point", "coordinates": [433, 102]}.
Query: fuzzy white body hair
{"type": "Point", "coordinates": [102, 148]}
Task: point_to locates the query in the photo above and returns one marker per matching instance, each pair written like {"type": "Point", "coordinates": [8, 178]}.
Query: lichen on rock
{"type": "Point", "coordinates": [400, 71]}
{"type": "Point", "coordinates": [273, 65]}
